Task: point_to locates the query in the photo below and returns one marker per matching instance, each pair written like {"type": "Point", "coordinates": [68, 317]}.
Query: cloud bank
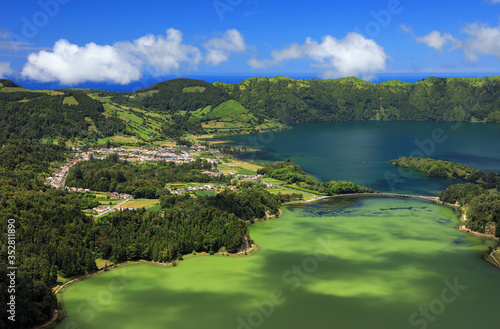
{"type": "Point", "coordinates": [335, 58]}
{"type": "Point", "coordinates": [124, 62]}
{"type": "Point", "coordinates": [480, 40]}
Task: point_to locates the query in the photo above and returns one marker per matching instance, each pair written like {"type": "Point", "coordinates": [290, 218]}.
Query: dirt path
{"type": "Point", "coordinates": [54, 318]}
{"type": "Point", "coordinates": [494, 258]}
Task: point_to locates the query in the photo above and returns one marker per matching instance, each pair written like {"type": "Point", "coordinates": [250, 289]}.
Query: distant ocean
{"type": "Point", "coordinates": [148, 81]}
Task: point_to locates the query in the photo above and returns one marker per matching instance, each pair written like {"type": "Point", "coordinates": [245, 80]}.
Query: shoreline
{"type": "Point", "coordinates": [254, 248]}
{"type": "Point", "coordinates": [60, 314]}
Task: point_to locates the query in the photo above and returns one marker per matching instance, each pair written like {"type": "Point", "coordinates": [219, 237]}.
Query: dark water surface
{"type": "Point", "coordinates": [360, 151]}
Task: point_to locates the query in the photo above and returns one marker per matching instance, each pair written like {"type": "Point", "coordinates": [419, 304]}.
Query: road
{"type": "Point", "coordinates": [113, 208]}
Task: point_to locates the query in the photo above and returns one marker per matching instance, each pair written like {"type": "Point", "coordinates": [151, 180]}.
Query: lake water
{"type": "Point", "coordinates": [360, 151]}
{"type": "Point", "coordinates": [338, 263]}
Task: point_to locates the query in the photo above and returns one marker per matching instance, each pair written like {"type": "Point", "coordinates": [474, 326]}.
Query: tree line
{"type": "Point", "coordinates": [479, 193]}
{"type": "Point", "coordinates": [482, 205]}
{"type": "Point", "coordinates": [292, 173]}
{"type": "Point", "coordinates": [439, 168]}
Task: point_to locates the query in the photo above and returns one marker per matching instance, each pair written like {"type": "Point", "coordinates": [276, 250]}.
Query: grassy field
{"type": "Point", "coordinates": [70, 100]}
{"type": "Point", "coordinates": [242, 168]}
{"type": "Point", "coordinates": [142, 203]}
{"type": "Point", "coordinates": [205, 193]}
{"type": "Point", "coordinates": [193, 89]}
{"type": "Point", "coordinates": [105, 201]}
{"type": "Point", "coordinates": [272, 181]}
{"type": "Point", "coordinates": [305, 195]}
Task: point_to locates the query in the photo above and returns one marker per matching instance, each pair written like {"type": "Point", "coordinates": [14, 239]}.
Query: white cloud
{"type": "Point", "coordinates": [71, 64]}
{"type": "Point", "coordinates": [219, 49]}
{"type": "Point", "coordinates": [495, 1]}
{"type": "Point", "coordinates": [165, 54]}
{"type": "Point", "coordinates": [483, 40]}
{"type": "Point", "coordinates": [437, 40]}
{"type": "Point", "coordinates": [124, 62]}
{"type": "Point", "coordinates": [5, 70]}
{"type": "Point", "coordinates": [121, 63]}
{"type": "Point", "coordinates": [335, 58]}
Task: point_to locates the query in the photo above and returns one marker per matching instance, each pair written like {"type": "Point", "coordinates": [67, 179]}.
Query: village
{"type": "Point", "coordinates": [176, 154]}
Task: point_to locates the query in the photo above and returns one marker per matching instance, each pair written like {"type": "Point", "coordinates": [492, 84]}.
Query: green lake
{"type": "Point", "coordinates": [381, 263]}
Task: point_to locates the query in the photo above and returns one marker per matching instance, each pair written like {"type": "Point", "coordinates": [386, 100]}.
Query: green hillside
{"type": "Point", "coordinates": [347, 99]}
{"type": "Point", "coordinates": [175, 108]}
{"type": "Point", "coordinates": [4, 83]}
{"type": "Point", "coordinates": [231, 110]}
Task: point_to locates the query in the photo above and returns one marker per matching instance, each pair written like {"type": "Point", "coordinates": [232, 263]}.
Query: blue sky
{"type": "Point", "coordinates": [131, 44]}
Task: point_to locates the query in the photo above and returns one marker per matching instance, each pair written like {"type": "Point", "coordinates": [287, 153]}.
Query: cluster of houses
{"type": "Point", "coordinates": [206, 187]}
{"type": "Point", "coordinates": [173, 154]}
{"type": "Point", "coordinates": [211, 173]}
{"type": "Point", "coordinates": [102, 209]}
{"type": "Point", "coordinates": [176, 153]}
{"type": "Point", "coordinates": [249, 177]}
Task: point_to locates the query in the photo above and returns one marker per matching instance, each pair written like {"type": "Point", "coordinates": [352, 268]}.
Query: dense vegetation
{"type": "Point", "coordinates": [175, 95]}
{"type": "Point", "coordinates": [300, 100]}
{"type": "Point", "coordinates": [176, 107]}
{"type": "Point", "coordinates": [291, 173]}
{"type": "Point", "coordinates": [39, 115]}
{"type": "Point", "coordinates": [145, 180]}
{"type": "Point", "coordinates": [432, 99]}
{"type": "Point", "coordinates": [480, 196]}
{"type": "Point", "coordinates": [482, 206]}
{"type": "Point", "coordinates": [439, 168]}
{"type": "Point", "coordinates": [51, 231]}
{"type": "Point", "coordinates": [54, 237]}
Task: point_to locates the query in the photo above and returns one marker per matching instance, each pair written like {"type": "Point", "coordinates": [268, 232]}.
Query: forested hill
{"type": "Point", "coordinates": [176, 107]}
{"type": "Point", "coordinates": [347, 99]}
{"type": "Point", "coordinates": [432, 99]}
{"type": "Point", "coordinates": [52, 114]}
